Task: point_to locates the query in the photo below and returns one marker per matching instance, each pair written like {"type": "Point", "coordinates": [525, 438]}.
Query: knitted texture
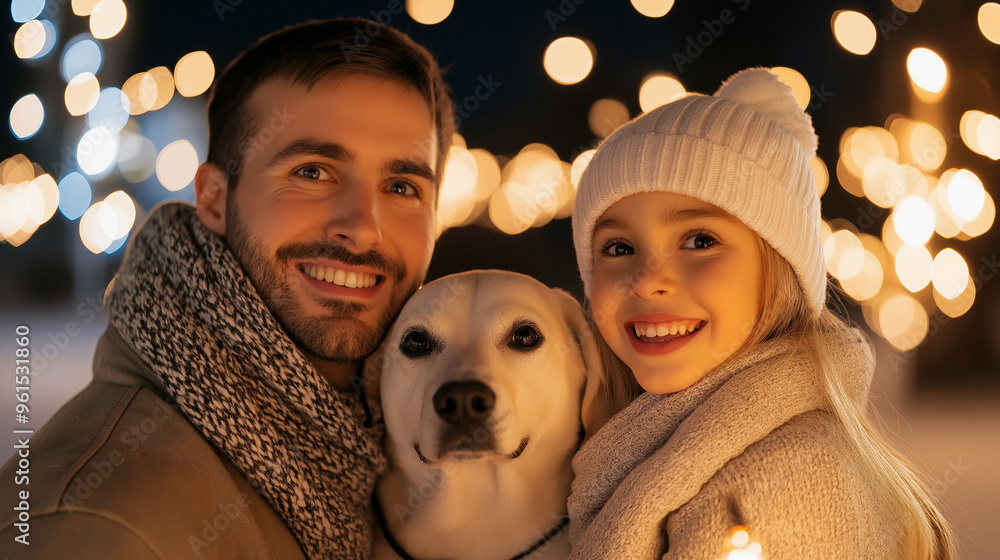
{"type": "Point", "coordinates": [746, 150]}
{"type": "Point", "coordinates": [184, 305]}
{"type": "Point", "coordinates": [750, 443]}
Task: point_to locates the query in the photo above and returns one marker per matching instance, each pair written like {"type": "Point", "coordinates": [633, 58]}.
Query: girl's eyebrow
{"type": "Point", "coordinates": [671, 217]}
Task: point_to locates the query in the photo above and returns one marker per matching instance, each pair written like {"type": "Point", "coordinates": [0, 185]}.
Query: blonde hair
{"type": "Point", "coordinates": [785, 312]}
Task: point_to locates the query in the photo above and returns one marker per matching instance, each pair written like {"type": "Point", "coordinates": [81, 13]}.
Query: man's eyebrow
{"type": "Point", "coordinates": [671, 217]}
{"type": "Point", "coordinates": [328, 150]}
{"type": "Point", "coordinates": [410, 167]}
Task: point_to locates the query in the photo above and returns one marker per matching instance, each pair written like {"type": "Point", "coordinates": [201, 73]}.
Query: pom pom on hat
{"type": "Point", "coordinates": [745, 149]}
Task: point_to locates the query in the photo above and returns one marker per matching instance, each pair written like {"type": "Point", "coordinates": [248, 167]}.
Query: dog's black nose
{"type": "Point", "coordinates": [464, 401]}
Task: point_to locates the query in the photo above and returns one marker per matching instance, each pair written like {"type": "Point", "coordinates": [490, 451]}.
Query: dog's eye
{"type": "Point", "coordinates": [415, 343]}
{"type": "Point", "coordinates": [525, 337]}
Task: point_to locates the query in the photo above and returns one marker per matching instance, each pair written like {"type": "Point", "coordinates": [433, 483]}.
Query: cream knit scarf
{"type": "Point", "coordinates": [185, 306]}
{"type": "Point", "coordinates": [657, 453]}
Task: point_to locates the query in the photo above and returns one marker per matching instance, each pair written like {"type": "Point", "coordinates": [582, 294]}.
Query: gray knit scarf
{"type": "Point", "coordinates": [183, 302]}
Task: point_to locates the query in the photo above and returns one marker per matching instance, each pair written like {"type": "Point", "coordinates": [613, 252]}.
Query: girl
{"type": "Point", "coordinates": [697, 234]}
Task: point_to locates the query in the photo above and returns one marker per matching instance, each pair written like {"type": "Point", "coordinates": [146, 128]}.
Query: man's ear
{"type": "Point", "coordinates": [211, 187]}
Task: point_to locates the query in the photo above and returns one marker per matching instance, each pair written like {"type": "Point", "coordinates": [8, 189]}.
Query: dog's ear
{"type": "Point", "coordinates": [592, 413]}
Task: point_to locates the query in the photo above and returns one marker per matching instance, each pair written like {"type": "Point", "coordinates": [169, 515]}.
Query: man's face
{"type": "Point", "coordinates": [333, 217]}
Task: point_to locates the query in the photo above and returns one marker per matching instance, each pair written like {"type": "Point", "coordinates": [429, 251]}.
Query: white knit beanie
{"type": "Point", "coordinates": [745, 149]}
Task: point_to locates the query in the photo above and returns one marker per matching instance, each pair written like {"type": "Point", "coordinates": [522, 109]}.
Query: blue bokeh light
{"type": "Point", "coordinates": [75, 195]}
{"type": "Point", "coordinates": [80, 55]}
{"type": "Point", "coordinates": [24, 11]}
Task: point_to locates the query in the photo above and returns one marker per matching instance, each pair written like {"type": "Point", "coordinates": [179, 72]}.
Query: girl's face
{"type": "Point", "coordinates": [676, 287]}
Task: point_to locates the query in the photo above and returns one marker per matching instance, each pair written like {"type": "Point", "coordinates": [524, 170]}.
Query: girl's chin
{"type": "Point", "coordinates": [662, 382]}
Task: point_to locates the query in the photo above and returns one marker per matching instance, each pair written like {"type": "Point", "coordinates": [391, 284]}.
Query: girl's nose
{"type": "Point", "coordinates": [655, 276]}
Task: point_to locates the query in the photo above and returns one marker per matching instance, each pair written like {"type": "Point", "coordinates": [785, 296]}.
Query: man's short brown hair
{"type": "Point", "coordinates": [305, 53]}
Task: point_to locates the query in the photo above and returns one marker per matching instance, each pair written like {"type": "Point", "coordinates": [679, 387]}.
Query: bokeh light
{"type": "Point", "coordinates": [84, 7]}
{"type": "Point", "coordinates": [97, 150]}
{"type": "Point", "coordinates": [488, 176]}
{"type": "Point", "coordinates": [136, 157]}
{"type": "Point", "coordinates": [867, 281]}
{"type": "Point", "coordinates": [83, 55]}
{"type": "Point", "coordinates": [793, 79]}
{"type": "Point", "coordinates": [903, 322]}
{"type": "Point", "coordinates": [854, 31]}
{"type": "Point", "coordinates": [844, 254]}
{"type": "Point", "coordinates": [107, 18]}
{"type": "Point", "coordinates": [981, 133]}
{"type": "Point", "coordinates": [927, 70]}
{"type": "Point", "coordinates": [989, 21]}
{"type": "Point", "coordinates": [927, 146]}
{"type": "Point", "coordinates": [910, 6]}
{"type": "Point", "coordinates": [75, 195]}
{"type": "Point", "coordinates": [820, 173]}
{"type": "Point", "coordinates": [580, 165]}
{"type": "Point", "coordinates": [884, 182]}
{"type": "Point", "coordinates": [913, 267]}
{"type": "Point", "coordinates": [429, 12]}
{"type": "Point", "coordinates": [966, 194]}
{"type": "Point", "coordinates": [653, 8]}
{"type": "Point", "coordinates": [176, 165]}
{"type": "Point", "coordinates": [456, 198]}
{"type": "Point", "coordinates": [568, 60]}
{"type": "Point", "coordinates": [194, 73]}
{"type": "Point", "coordinates": [164, 83]}
{"type": "Point", "coordinates": [27, 116]}
{"type": "Point", "coordinates": [950, 274]}
{"type": "Point", "coordinates": [957, 306]}
{"type": "Point", "coordinates": [913, 220]}
{"type": "Point", "coordinates": [22, 11]}
{"type": "Point", "coordinates": [141, 91]}
{"type": "Point", "coordinates": [984, 221]}
{"type": "Point", "coordinates": [34, 39]}
{"type": "Point", "coordinates": [82, 93]}
{"type": "Point", "coordinates": [111, 110]}
{"type": "Point", "coordinates": [658, 89]}
{"type": "Point", "coordinates": [606, 115]}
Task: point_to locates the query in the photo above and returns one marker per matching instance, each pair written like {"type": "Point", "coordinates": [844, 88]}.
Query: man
{"type": "Point", "coordinates": [225, 419]}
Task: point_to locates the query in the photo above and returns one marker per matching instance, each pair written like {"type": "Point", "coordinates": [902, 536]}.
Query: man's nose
{"type": "Point", "coordinates": [355, 218]}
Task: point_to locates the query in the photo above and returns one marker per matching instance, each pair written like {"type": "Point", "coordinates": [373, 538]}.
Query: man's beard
{"type": "Point", "coordinates": [340, 336]}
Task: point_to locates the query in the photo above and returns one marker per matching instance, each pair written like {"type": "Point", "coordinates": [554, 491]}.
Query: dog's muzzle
{"type": "Point", "coordinates": [465, 408]}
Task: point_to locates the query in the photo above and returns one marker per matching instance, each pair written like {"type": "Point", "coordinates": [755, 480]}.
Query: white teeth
{"type": "Point", "coordinates": [341, 277]}
{"type": "Point", "coordinates": [673, 329]}
{"type": "Point", "coordinates": [661, 330]}
{"type": "Point", "coordinates": [682, 330]}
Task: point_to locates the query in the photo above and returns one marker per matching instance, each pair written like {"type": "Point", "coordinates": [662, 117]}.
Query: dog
{"type": "Point", "coordinates": [486, 380]}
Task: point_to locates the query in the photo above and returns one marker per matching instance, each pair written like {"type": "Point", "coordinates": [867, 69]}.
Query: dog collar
{"type": "Point", "coordinates": [398, 548]}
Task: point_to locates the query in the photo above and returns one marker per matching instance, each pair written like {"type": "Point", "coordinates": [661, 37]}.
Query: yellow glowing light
{"type": "Point", "coordinates": [123, 208]}
{"type": "Point", "coordinates": [568, 60]}
{"type": "Point", "coordinates": [538, 185]}
{"type": "Point", "coordinates": [48, 191]}
{"type": "Point", "coordinates": [176, 165]}
{"type": "Point", "coordinates": [958, 306]}
{"type": "Point", "coordinates": [108, 18]}
{"type": "Point", "coordinates": [141, 90]}
{"type": "Point", "coordinates": [844, 254]}
{"type": "Point", "coordinates": [458, 140]}
{"type": "Point", "coordinates": [659, 89]}
{"type": "Point", "coordinates": [984, 221]}
{"type": "Point", "coordinates": [567, 192]}
{"type": "Point", "coordinates": [16, 169]}
{"type": "Point", "coordinates": [927, 70]}
{"type": "Point", "coordinates": [890, 238]}
{"type": "Point", "coordinates": [969, 129]}
{"type": "Point", "coordinates": [927, 146]}
{"type": "Point", "coordinates": [902, 321]}
{"type": "Point", "coordinates": [458, 187]}
{"type": "Point", "coordinates": [884, 181]}
{"type": "Point", "coordinates": [194, 73]}
{"type": "Point", "coordinates": [606, 115]}
{"type": "Point", "coordinates": [740, 537]}
{"type": "Point", "coordinates": [488, 178]}
{"type": "Point", "coordinates": [910, 6]}
{"type": "Point", "coordinates": [21, 208]}
{"type": "Point", "coordinates": [580, 165]}
{"type": "Point", "coordinates": [429, 12]}
{"type": "Point", "coordinates": [503, 216]}
{"type": "Point", "coordinates": [966, 194]}
{"type": "Point", "coordinates": [820, 173]}
{"type": "Point", "coordinates": [867, 282]}
{"type": "Point", "coordinates": [653, 8]}
{"type": "Point", "coordinates": [26, 116]}
{"type": "Point", "coordinates": [796, 81]}
{"type": "Point", "coordinates": [29, 40]}
{"type": "Point", "coordinates": [913, 220]}
{"type": "Point", "coordinates": [848, 180]}
{"type": "Point", "coordinates": [164, 82]}
{"type": "Point", "coordinates": [84, 8]}
{"type": "Point", "coordinates": [989, 21]}
{"type": "Point", "coordinates": [861, 145]}
{"type": "Point", "coordinates": [854, 31]}
{"type": "Point", "coordinates": [913, 267]}
{"type": "Point", "coordinates": [988, 136]}
{"type": "Point", "coordinates": [94, 225]}
{"type": "Point", "coordinates": [946, 222]}
{"type": "Point", "coordinates": [82, 93]}
{"type": "Point", "coordinates": [950, 274]}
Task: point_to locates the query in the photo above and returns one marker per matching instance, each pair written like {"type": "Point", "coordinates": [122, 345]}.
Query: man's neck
{"type": "Point", "coordinates": [337, 374]}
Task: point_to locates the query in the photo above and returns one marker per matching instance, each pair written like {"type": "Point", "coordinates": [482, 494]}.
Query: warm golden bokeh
{"type": "Point", "coordinates": [568, 60]}
{"type": "Point", "coordinates": [854, 31]}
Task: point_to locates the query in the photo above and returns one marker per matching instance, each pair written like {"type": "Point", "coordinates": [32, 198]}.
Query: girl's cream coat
{"type": "Point", "coordinates": [750, 443]}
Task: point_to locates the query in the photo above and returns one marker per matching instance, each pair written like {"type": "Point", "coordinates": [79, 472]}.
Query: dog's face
{"type": "Point", "coordinates": [485, 366]}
